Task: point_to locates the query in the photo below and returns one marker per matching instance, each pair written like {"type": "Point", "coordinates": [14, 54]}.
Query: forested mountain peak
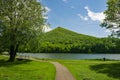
{"type": "Point", "coordinates": [63, 32]}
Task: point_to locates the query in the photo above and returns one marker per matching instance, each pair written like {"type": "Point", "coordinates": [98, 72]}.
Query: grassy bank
{"type": "Point", "coordinates": [93, 69]}
{"type": "Point", "coordinates": [26, 70]}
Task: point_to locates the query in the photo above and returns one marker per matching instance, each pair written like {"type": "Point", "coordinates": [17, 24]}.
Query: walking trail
{"type": "Point", "coordinates": [62, 73]}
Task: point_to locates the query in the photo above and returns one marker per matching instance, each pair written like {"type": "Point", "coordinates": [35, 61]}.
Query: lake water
{"type": "Point", "coordinates": [70, 56]}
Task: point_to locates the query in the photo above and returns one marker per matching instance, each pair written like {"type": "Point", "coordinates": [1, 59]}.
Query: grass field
{"type": "Point", "coordinates": [26, 70]}
{"type": "Point", "coordinates": [93, 69]}
{"type": "Point", "coordinates": [81, 69]}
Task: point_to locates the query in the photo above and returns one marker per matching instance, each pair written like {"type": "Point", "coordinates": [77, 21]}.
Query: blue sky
{"type": "Point", "coordinates": [82, 16]}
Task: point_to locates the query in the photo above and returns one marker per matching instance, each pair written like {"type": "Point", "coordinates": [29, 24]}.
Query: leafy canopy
{"type": "Point", "coordinates": [20, 20]}
{"type": "Point", "coordinates": [112, 20]}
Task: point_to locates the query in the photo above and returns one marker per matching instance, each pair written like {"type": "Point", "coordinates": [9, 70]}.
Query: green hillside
{"type": "Point", "coordinates": [61, 40]}
{"type": "Point", "coordinates": [63, 35]}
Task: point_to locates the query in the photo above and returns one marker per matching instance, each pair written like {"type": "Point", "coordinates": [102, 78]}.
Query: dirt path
{"type": "Point", "coordinates": [62, 73]}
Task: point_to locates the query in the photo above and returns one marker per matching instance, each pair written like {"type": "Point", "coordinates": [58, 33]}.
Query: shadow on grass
{"type": "Point", "coordinates": [112, 70]}
{"type": "Point", "coordinates": [4, 63]}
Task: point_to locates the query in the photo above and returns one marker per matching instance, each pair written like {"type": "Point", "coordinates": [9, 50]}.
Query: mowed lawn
{"type": "Point", "coordinates": [93, 69]}
{"type": "Point", "coordinates": [26, 70]}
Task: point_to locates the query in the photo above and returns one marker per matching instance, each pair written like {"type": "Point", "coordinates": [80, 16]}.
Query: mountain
{"type": "Point", "coordinates": [64, 35]}
{"type": "Point", "coordinates": [61, 40]}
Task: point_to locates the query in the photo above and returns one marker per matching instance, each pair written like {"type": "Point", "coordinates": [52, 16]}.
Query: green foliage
{"type": "Point", "coordinates": [112, 20]}
{"type": "Point", "coordinates": [20, 21]}
{"type": "Point", "coordinates": [61, 40]}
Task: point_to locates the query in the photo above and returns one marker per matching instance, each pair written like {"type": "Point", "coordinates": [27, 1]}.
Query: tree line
{"type": "Point", "coordinates": [62, 40]}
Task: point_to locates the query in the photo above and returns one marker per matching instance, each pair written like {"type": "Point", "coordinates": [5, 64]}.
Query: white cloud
{"type": "Point", "coordinates": [95, 16]}
{"type": "Point", "coordinates": [45, 13]}
{"type": "Point", "coordinates": [47, 9]}
{"type": "Point", "coordinates": [83, 17]}
{"type": "Point", "coordinates": [47, 28]}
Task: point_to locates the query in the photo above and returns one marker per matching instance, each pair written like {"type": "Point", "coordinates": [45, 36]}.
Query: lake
{"type": "Point", "coordinates": [70, 56]}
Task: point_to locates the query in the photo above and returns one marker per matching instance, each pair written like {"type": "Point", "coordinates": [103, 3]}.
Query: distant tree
{"type": "Point", "coordinates": [20, 20]}
{"type": "Point", "coordinates": [112, 20]}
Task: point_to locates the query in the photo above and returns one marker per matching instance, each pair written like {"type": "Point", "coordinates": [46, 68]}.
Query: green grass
{"type": "Point", "coordinates": [93, 69]}
{"type": "Point", "coordinates": [26, 70]}
{"type": "Point", "coordinates": [81, 69]}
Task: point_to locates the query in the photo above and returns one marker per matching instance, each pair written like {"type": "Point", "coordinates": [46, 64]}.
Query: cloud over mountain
{"type": "Point", "coordinates": [95, 16]}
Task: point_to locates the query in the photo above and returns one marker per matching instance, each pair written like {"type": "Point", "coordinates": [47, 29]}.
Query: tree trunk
{"type": "Point", "coordinates": [12, 53]}
{"type": "Point", "coordinates": [12, 56]}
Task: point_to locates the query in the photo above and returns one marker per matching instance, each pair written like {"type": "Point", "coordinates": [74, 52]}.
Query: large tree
{"type": "Point", "coordinates": [20, 20]}
{"type": "Point", "coordinates": [112, 20]}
